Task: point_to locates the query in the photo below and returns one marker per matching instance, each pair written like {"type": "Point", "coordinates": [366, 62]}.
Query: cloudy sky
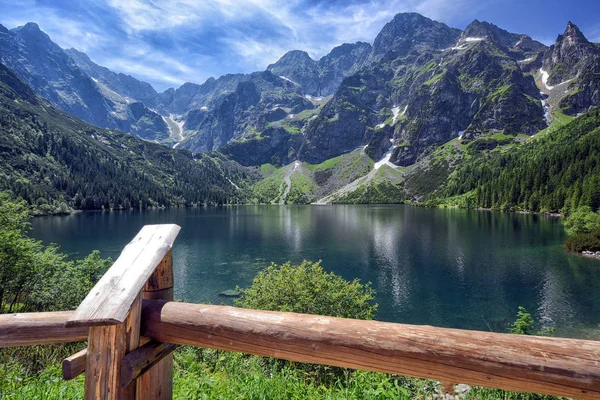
{"type": "Point", "coordinates": [168, 42]}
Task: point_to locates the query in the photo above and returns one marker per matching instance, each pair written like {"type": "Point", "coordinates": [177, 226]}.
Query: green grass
{"type": "Point", "coordinates": [35, 373]}
{"type": "Point", "coordinates": [268, 190]}
{"type": "Point", "coordinates": [562, 118]}
{"type": "Point", "coordinates": [267, 169]}
{"type": "Point", "coordinates": [434, 79]}
{"type": "Point", "coordinates": [334, 162]}
{"type": "Point", "coordinates": [301, 190]}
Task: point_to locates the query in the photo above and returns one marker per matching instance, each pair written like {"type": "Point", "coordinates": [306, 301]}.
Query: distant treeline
{"type": "Point", "coordinates": [557, 172]}
{"type": "Point", "coordinates": [57, 163]}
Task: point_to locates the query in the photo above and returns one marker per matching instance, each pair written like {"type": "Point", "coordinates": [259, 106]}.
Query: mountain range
{"type": "Point", "coordinates": [391, 121]}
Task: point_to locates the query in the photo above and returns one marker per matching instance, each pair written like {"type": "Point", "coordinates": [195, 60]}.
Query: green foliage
{"type": "Point", "coordinates": [58, 163]}
{"type": "Point", "coordinates": [558, 172]}
{"type": "Point", "coordinates": [584, 220]}
{"type": "Point", "coordinates": [307, 288]}
{"type": "Point", "coordinates": [38, 278]}
{"type": "Point", "coordinates": [525, 325]}
{"type": "Point", "coordinates": [580, 242]}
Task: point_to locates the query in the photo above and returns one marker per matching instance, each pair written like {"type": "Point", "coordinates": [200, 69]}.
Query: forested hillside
{"type": "Point", "coordinates": [557, 172]}
{"type": "Point", "coordinates": [57, 162]}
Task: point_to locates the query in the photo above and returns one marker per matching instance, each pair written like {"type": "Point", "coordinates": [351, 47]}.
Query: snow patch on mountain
{"type": "Point", "coordinates": [285, 78]}
{"type": "Point", "coordinates": [545, 77]}
{"type": "Point", "coordinates": [385, 160]}
{"type": "Point", "coordinates": [229, 180]}
{"type": "Point", "coordinates": [396, 112]}
{"type": "Point", "coordinates": [473, 39]}
{"type": "Point", "coordinates": [526, 60]}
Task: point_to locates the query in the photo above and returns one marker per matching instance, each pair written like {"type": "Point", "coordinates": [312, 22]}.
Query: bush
{"type": "Point", "coordinates": [584, 242]}
{"type": "Point", "coordinates": [34, 277]}
{"type": "Point", "coordinates": [584, 220]}
{"type": "Point", "coordinates": [308, 289]}
{"type": "Point", "coordinates": [525, 325]}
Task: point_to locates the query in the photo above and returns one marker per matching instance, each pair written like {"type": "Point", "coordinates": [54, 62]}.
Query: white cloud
{"type": "Point", "coordinates": [63, 31]}
{"type": "Point", "coordinates": [258, 54]}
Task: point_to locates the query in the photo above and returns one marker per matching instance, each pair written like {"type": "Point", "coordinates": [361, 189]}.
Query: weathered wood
{"type": "Point", "coordinates": [107, 346]}
{"type": "Point", "coordinates": [142, 359]}
{"type": "Point", "coordinates": [157, 381]}
{"type": "Point", "coordinates": [38, 328]}
{"type": "Point", "coordinates": [74, 365]}
{"type": "Point", "coordinates": [564, 367]}
{"type": "Point", "coordinates": [110, 300]}
{"type": "Point", "coordinates": [162, 277]}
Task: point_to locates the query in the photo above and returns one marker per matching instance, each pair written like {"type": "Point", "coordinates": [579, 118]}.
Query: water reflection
{"type": "Point", "coordinates": [454, 268]}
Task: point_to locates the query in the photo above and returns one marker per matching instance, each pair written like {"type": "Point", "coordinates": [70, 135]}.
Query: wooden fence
{"type": "Point", "coordinates": [132, 327]}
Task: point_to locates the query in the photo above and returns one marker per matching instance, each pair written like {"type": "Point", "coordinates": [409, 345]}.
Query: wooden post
{"type": "Point", "coordinates": [157, 382]}
{"type": "Point", "coordinates": [107, 345]}
{"type": "Point", "coordinates": [112, 310]}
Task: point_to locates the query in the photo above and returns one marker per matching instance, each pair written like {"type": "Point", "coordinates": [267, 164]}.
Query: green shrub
{"type": "Point", "coordinates": [34, 277]}
{"type": "Point", "coordinates": [525, 325]}
{"type": "Point", "coordinates": [584, 241]}
{"type": "Point", "coordinates": [584, 220]}
{"type": "Point", "coordinates": [308, 289]}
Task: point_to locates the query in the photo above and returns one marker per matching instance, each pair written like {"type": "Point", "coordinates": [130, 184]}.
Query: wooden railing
{"type": "Point", "coordinates": [132, 326]}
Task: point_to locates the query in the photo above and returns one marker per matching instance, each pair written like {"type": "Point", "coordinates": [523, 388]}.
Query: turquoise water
{"type": "Point", "coordinates": [451, 268]}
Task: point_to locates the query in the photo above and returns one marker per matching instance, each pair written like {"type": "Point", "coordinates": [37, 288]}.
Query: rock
{"type": "Point", "coordinates": [230, 293]}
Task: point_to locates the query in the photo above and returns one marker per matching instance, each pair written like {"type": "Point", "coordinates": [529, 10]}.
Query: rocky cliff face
{"type": "Point", "coordinates": [426, 84]}
{"type": "Point", "coordinates": [321, 78]}
{"type": "Point", "coordinates": [53, 74]}
{"type": "Point", "coordinates": [261, 108]}
{"type": "Point", "coordinates": [420, 85]}
{"type": "Point", "coordinates": [125, 85]}
{"type": "Point", "coordinates": [78, 86]}
{"type": "Point", "coordinates": [572, 65]}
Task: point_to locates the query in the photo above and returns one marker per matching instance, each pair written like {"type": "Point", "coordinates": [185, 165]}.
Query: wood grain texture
{"type": "Point", "coordinates": [74, 365]}
{"type": "Point", "coordinates": [157, 382]}
{"type": "Point", "coordinates": [111, 298]}
{"type": "Point", "coordinates": [107, 346]}
{"type": "Point", "coordinates": [142, 359]}
{"type": "Point", "coordinates": [563, 367]}
{"type": "Point", "coordinates": [162, 277]}
{"type": "Point", "coordinates": [38, 328]}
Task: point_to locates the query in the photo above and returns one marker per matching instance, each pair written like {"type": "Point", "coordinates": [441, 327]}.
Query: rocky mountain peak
{"type": "Point", "coordinates": [572, 36]}
{"type": "Point", "coordinates": [30, 27]}
{"type": "Point", "coordinates": [410, 31]}
{"type": "Point", "coordinates": [571, 52]}
{"type": "Point", "coordinates": [503, 38]}
{"type": "Point", "coordinates": [294, 56]}
{"type": "Point", "coordinates": [32, 31]}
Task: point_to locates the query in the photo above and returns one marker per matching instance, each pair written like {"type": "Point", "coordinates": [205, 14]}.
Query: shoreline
{"type": "Point", "coordinates": [591, 254]}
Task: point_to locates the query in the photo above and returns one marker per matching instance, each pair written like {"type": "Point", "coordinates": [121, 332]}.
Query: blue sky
{"type": "Point", "coordinates": [170, 42]}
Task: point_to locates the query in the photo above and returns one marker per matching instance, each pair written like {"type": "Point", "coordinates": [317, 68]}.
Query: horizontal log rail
{"type": "Point", "coordinates": [38, 328]}
{"type": "Point", "coordinates": [564, 367]}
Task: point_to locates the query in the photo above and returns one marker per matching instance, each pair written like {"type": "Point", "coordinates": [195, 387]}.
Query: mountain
{"type": "Point", "coordinates": [427, 83]}
{"type": "Point", "coordinates": [571, 66]}
{"type": "Point", "coordinates": [84, 90]}
{"type": "Point", "coordinates": [556, 173]}
{"type": "Point", "coordinates": [390, 122]}
{"type": "Point", "coordinates": [321, 78]}
{"type": "Point", "coordinates": [125, 85]}
{"type": "Point", "coordinates": [58, 162]}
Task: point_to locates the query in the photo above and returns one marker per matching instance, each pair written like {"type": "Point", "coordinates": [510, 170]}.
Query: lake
{"type": "Point", "coordinates": [443, 267]}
